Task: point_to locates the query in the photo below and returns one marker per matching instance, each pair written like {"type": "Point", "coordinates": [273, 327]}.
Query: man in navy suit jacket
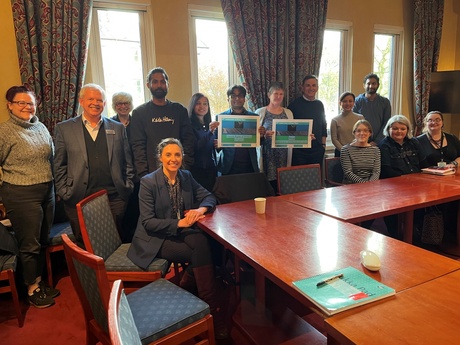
{"type": "Point", "coordinates": [92, 153]}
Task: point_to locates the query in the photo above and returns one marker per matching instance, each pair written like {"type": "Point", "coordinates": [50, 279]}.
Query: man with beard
{"type": "Point", "coordinates": [375, 108]}
{"type": "Point", "coordinates": [92, 153]}
{"type": "Point", "coordinates": [158, 119]}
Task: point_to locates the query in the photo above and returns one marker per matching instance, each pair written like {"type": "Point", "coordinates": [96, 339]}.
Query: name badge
{"type": "Point", "coordinates": [109, 131]}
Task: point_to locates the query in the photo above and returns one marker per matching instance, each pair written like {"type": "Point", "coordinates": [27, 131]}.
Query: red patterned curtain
{"type": "Point", "coordinates": [275, 40]}
{"type": "Point", "coordinates": [307, 22]}
{"type": "Point", "coordinates": [428, 17]}
{"type": "Point", "coordinates": [52, 39]}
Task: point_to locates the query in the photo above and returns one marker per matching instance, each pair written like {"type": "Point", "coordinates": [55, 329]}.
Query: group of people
{"type": "Point", "coordinates": [91, 152]}
{"type": "Point", "coordinates": [390, 150]}
{"type": "Point", "coordinates": [159, 165]}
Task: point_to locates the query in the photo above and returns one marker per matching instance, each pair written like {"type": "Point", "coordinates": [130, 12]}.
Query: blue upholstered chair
{"type": "Point", "coordinates": [101, 238]}
{"type": "Point", "coordinates": [299, 178]}
{"type": "Point", "coordinates": [160, 310]}
{"type": "Point", "coordinates": [333, 171]}
{"type": "Point", "coordinates": [55, 245]}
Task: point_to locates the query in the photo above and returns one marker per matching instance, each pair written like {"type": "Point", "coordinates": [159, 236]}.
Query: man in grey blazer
{"type": "Point", "coordinates": [92, 153]}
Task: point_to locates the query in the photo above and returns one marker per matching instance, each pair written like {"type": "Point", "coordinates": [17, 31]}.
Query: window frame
{"type": "Point", "coordinates": [398, 49]}
{"type": "Point", "coordinates": [209, 13]}
{"type": "Point", "coordinates": [147, 41]}
{"type": "Point", "coordinates": [345, 69]}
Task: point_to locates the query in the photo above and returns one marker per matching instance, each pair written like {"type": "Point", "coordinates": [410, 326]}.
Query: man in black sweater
{"type": "Point", "coordinates": [308, 107]}
{"type": "Point", "coordinates": [156, 120]}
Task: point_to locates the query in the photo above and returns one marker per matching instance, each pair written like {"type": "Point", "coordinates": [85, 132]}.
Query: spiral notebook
{"type": "Point", "coordinates": [341, 290]}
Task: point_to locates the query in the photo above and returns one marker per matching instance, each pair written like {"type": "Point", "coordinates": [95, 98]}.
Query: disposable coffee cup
{"type": "Point", "coordinates": [260, 205]}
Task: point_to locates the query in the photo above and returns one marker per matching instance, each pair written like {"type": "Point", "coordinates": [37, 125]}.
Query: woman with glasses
{"type": "Point", "coordinates": [342, 125]}
{"type": "Point", "coordinates": [441, 148]}
{"type": "Point", "coordinates": [27, 191]}
{"type": "Point", "coordinates": [438, 146]}
{"type": "Point", "coordinates": [122, 104]}
{"type": "Point", "coordinates": [360, 160]}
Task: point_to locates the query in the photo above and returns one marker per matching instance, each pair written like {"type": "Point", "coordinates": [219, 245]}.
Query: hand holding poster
{"type": "Point", "coordinates": [238, 131]}
{"type": "Point", "coordinates": [292, 133]}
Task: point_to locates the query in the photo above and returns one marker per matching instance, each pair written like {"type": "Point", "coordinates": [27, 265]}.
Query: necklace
{"type": "Point", "coordinates": [436, 143]}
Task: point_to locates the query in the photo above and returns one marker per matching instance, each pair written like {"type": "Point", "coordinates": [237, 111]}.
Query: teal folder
{"type": "Point", "coordinates": [343, 289]}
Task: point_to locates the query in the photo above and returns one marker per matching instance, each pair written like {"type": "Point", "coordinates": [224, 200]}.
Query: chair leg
{"type": "Point", "coordinates": [177, 276]}
{"type": "Point", "coordinates": [49, 269]}
{"type": "Point", "coordinates": [14, 293]}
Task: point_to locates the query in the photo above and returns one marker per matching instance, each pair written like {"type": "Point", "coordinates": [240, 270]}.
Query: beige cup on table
{"type": "Point", "coordinates": [260, 205]}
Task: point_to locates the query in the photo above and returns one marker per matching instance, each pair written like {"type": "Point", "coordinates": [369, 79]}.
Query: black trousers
{"type": "Point", "coordinates": [190, 246]}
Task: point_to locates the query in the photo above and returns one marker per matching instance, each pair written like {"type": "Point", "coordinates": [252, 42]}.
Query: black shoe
{"type": "Point", "coordinates": [49, 291]}
{"type": "Point", "coordinates": [40, 300]}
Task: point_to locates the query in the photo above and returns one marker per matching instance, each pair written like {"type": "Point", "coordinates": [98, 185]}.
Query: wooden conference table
{"type": "Point", "coordinates": [425, 314]}
{"type": "Point", "coordinates": [290, 242]}
{"type": "Point", "coordinates": [356, 203]}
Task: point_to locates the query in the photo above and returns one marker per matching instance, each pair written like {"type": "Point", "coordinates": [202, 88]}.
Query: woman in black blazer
{"type": "Point", "coordinates": [166, 227]}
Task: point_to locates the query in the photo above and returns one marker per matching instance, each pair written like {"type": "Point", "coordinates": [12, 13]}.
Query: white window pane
{"type": "Point", "coordinates": [121, 54]}
{"type": "Point", "coordinates": [330, 74]}
{"type": "Point", "coordinates": [383, 62]}
{"type": "Point", "coordinates": [213, 61]}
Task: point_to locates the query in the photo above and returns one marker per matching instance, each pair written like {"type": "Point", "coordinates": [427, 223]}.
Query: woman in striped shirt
{"type": "Point", "coordinates": [360, 160]}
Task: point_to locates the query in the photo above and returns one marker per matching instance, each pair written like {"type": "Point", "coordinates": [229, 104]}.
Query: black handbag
{"type": "Point", "coordinates": [433, 226]}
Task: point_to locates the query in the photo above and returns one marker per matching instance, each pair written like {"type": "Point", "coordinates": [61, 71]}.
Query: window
{"type": "Point", "coordinates": [212, 64]}
{"type": "Point", "coordinates": [118, 53]}
{"type": "Point", "coordinates": [335, 69]}
{"type": "Point", "coordinates": [388, 63]}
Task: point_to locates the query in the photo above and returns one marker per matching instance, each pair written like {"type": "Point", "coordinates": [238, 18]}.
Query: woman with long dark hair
{"type": "Point", "coordinates": [204, 169]}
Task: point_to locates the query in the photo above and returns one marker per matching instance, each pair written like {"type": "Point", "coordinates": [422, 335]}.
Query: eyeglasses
{"type": "Point", "coordinates": [438, 120]}
{"type": "Point", "coordinates": [123, 104]}
{"type": "Point", "coordinates": [23, 104]}
{"type": "Point", "coordinates": [240, 96]}
{"type": "Point", "coordinates": [365, 131]}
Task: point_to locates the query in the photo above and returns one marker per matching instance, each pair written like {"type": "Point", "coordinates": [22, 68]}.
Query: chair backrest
{"type": "Point", "coordinates": [122, 328]}
{"type": "Point", "coordinates": [89, 278]}
{"type": "Point", "coordinates": [239, 187]}
{"type": "Point", "coordinates": [300, 178]}
{"type": "Point", "coordinates": [333, 171]}
{"type": "Point", "coordinates": [98, 229]}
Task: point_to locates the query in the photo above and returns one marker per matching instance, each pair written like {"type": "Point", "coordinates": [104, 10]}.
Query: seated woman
{"type": "Point", "coordinates": [400, 155]}
{"type": "Point", "coordinates": [438, 146]}
{"type": "Point", "coordinates": [360, 160]}
{"type": "Point", "coordinates": [342, 125]}
{"type": "Point", "coordinates": [400, 152]}
{"type": "Point", "coordinates": [166, 225]}
{"type": "Point", "coordinates": [441, 148]}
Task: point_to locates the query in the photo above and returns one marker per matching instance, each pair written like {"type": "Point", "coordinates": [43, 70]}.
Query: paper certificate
{"type": "Point", "coordinates": [238, 131]}
{"type": "Point", "coordinates": [292, 133]}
